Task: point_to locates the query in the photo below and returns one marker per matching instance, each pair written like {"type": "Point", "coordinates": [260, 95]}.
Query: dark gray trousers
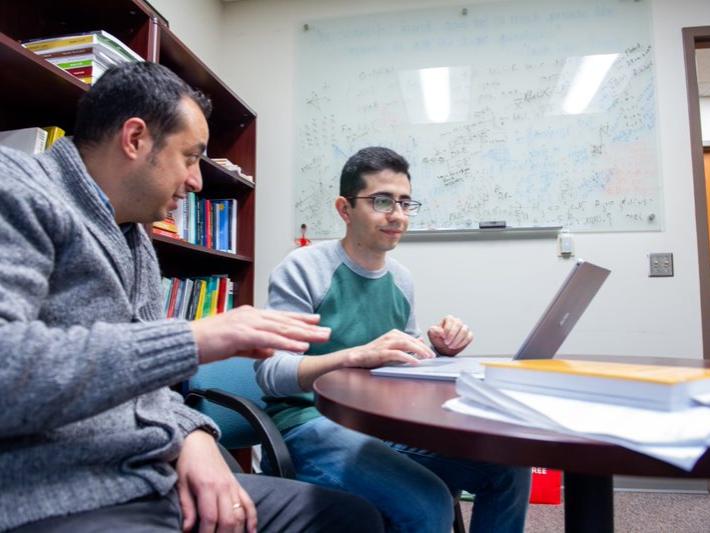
{"type": "Point", "coordinates": [281, 504]}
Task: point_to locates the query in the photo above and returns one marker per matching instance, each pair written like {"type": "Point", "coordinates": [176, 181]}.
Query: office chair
{"type": "Point", "coordinates": [227, 387]}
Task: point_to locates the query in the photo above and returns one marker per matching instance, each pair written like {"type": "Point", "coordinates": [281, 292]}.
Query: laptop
{"type": "Point", "coordinates": [568, 305]}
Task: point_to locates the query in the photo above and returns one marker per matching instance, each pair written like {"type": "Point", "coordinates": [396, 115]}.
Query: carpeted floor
{"type": "Point", "coordinates": [634, 512]}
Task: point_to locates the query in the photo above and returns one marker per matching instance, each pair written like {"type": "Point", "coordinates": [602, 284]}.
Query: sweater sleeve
{"type": "Point", "coordinates": [403, 280]}
{"type": "Point", "coordinates": [52, 376]}
{"type": "Point", "coordinates": [295, 285]}
{"type": "Point", "coordinates": [189, 419]}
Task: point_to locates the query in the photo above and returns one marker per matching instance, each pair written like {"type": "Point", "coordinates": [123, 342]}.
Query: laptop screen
{"type": "Point", "coordinates": [562, 314]}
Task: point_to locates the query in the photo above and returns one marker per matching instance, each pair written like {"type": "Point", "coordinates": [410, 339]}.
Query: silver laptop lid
{"type": "Point", "coordinates": [562, 314]}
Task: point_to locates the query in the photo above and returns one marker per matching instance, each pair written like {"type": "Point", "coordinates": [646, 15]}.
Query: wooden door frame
{"type": "Point", "coordinates": [694, 38]}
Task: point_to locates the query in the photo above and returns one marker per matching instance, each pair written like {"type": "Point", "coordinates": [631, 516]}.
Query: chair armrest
{"type": "Point", "coordinates": [273, 443]}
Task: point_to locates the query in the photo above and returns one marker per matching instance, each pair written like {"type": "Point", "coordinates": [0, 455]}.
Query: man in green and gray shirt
{"type": "Point", "coordinates": [367, 299]}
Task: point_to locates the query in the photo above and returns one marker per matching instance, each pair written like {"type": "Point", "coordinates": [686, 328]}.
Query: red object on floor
{"type": "Point", "coordinates": [546, 485]}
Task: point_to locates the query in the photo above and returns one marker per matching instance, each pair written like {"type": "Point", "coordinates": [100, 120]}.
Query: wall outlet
{"type": "Point", "coordinates": [660, 265]}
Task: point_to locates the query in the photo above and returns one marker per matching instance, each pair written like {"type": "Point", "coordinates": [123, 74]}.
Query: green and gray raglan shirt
{"type": "Point", "coordinates": [359, 305]}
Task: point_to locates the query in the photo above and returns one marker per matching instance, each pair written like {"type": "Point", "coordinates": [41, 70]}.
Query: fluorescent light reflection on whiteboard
{"type": "Point", "coordinates": [436, 93]}
{"type": "Point", "coordinates": [590, 74]}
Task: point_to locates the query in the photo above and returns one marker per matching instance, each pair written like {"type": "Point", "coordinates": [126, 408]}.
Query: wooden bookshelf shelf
{"type": "Point", "coordinates": [160, 241]}
{"type": "Point", "coordinates": [33, 91]}
{"type": "Point", "coordinates": [219, 179]}
{"type": "Point", "coordinates": [36, 93]}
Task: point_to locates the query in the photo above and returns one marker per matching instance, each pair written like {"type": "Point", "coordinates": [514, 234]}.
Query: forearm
{"type": "Point", "coordinates": [311, 368]}
{"type": "Point", "coordinates": [52, 376]}
{"type": "Point", "coordinates": [287, 373]}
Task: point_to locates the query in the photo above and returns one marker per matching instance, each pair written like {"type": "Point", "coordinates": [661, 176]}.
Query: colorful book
{"type": "Point", "coordinates": [666, 388]}
{"type": "Point", "coordinates": [164, 233]}
{"type": "Point", "coordinates": [81, 40]}
{"type": "Point", "coordinates": [54, 133]}
{"type": "Point", "coordinates": [167, 224]}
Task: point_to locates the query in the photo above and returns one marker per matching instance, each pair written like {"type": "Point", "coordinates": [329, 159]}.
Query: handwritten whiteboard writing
{"type": "Point", "coordinates": [536, 113]}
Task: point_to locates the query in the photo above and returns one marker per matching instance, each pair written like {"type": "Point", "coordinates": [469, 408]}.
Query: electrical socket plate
{"type": "Point", "coordinates": [660, 265]}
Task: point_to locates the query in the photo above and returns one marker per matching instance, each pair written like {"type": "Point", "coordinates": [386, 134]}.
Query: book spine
{"type": "Point", "coordinates": [208, 224]}
{"type": "Point", "coordinates": [173, 297]}
{"type": "Point", "coordinates": [199, 215]}
{"type": "Point", "coordinates": [224, 225]}
{"type": "Point", "coordinates": [182, 312]}
{"type": "Point", "coordinates": [68, 53]}
{"type": "Point", "coordinates": [165, 284]}
{"type": "Point", "coordinates": [48, 44]}
{"type": "Point", "coordinates": [165, 233]}
{"type": "Point", "coordinates": [233, 226]}
{"type": "Point", "coordinates": [201, 299]}
{"type": "Point", "coordinates": [191, 218]}
{"type": "Point", "coordinates": [222, 294]}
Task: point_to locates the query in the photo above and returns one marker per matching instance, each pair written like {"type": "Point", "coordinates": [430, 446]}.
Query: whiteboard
{"type": "Point", "coordinates": [535, 113]}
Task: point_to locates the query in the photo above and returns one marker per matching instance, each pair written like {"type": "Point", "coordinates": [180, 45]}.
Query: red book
{"type": "Point", "coordinates": [222, 294]}
{"type": "Point", "coordinates": [173, 296]}
{"type": "Point", "coordinates": [208, 223]}
{"type": "Point", "coordinates": [158, 231]}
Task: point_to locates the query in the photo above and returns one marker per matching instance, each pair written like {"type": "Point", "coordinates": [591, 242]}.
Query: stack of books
{"type": "Point", "coordinates": [665, 388]}
{"type": "Point", "coordinates": [228, 165]}
{"type": "Point", "coordinates": [31, 140]}
{"type": "Point", "coordinates": [211, 223]}
{"type": "Point", "coordinates": [84, 55]}
{"type": "Point", "coordinates": [167, 227]}
{"type": "Point", "coordinates": [195, 298]}
{"type": "Point", "coordinates": [660, 411]}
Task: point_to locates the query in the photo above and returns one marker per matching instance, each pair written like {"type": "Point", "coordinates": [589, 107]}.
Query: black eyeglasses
{"type": "Point", "coordinates": [385, 204]}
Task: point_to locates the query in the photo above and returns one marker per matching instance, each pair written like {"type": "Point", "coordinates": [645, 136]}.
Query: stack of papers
{"type": "Point", "coordinates": [676, 437]}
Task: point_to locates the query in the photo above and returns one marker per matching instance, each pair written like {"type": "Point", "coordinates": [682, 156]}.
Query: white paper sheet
{"type": "Point", "coordinates": [678, 437]}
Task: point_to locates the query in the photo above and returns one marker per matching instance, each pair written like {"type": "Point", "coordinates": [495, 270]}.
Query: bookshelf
{"type": "Point", "coordinates": [36, 93]}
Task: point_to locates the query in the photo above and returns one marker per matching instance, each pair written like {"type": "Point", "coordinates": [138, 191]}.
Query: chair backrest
{"type": "Point", "coordinates": [237, 376]}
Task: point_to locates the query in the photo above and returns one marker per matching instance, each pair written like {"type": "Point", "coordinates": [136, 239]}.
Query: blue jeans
{"type": "Point", "coordinates": [412, 488]}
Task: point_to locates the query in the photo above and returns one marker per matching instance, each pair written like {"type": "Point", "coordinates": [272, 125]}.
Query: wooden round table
{"type": "Point", "coordinates": [410, 411]}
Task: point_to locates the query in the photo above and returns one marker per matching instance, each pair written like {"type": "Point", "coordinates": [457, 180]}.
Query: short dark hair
{"type": "Point", "coordinates": [145, 90]}
{"type": "Point", "coordinates": [368, 161]}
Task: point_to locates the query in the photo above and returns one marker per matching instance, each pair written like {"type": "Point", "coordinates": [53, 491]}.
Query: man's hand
{"type": "Point", "coordinates": [450, 336]}
{"type": "Point", "coordinates": [209, 491]}
{"type": "Point", "coordinates": [392, 347]}
{"type": "Point", "coordinates": [250, 332]}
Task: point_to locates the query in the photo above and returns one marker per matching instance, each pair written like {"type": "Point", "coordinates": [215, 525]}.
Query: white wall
{"type": "Point", "coordinates": [198, 23]}
{"type": "Point", "coordinates": [498, 287]}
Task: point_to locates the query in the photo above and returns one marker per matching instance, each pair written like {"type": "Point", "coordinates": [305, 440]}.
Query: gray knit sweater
{"type": "Point", "coordinates": [86, 419]}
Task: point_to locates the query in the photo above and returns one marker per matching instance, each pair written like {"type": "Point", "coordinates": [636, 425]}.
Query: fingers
{"type": "Point", "coordinates": [462, 339]}
{"type": "Point", "coordinates": [400, 341]}
{"type": "Point", "coordinates": [296, 326]}
{"type": "Point", "coordinates": [208, 507]}
{"type": "Point", "coordinates": [406, 343]}
{"type": "Point", "coordinates": [450, 336]}
{"type": "Point", "coordinates": [266, 340]}
{"type": "Point", "coordinates": [398, 356]}
{"type": "Point", "coordinates": [451, 326]}
{"type": "Point", "coordinates": [231, 513]}
{"type": "Point", "coordinates": [301, 317]}
{"type": "Point", "coordinates": [249, 509]}
{"type": "Point", "coordinates": [437, 332]}
{"type": "Point", "coordinates": [187, 504]}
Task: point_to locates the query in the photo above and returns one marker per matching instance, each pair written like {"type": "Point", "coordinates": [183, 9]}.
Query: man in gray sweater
{"type": "Point", "coordinates": [91, 438]}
